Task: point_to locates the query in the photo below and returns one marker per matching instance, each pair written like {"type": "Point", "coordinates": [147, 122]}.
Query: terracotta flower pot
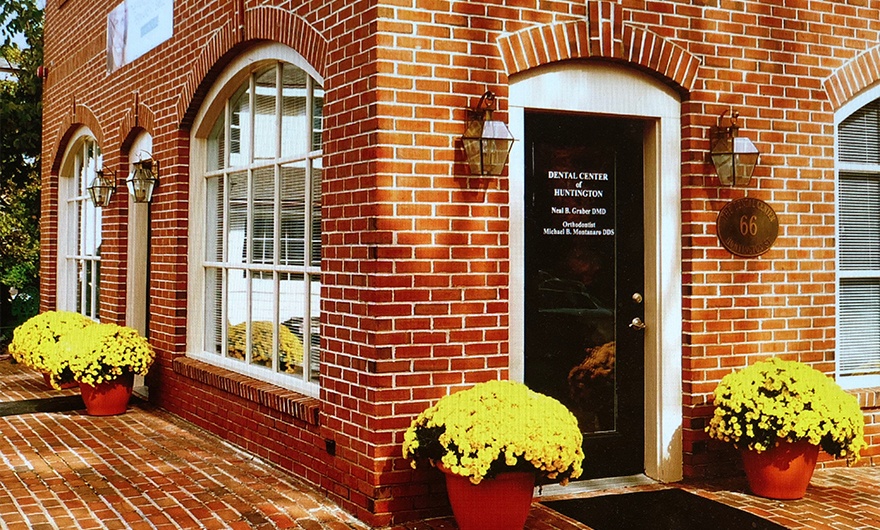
{"type": "Point", "coordinates": [782, 472]}
{"type": "Point", "coordinates": [500, 503]}
{"type": "Point", "coordinates": [48, 379]}
{"type": "Point", "coordinates": [108, 398]}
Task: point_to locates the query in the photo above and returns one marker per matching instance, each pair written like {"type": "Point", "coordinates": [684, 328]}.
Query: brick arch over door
{"type": "Point", "coordinates": [82, 116]}
{"type": "Point", "coordinates": [852, 77]}
{"type": "Point", "coordinates": [256, 24]}
{"type": "Point", "coordinates": [602, 35]}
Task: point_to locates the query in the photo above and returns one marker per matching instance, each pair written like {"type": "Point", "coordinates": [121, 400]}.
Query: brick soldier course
{"type": "Point", "coordinates": [416, 260]}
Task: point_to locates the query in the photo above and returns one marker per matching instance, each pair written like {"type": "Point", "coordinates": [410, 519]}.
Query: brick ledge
{"type": "Point", "coordinates": [869, 398]}
{"type": "Point", "coordinates": [301, 407]}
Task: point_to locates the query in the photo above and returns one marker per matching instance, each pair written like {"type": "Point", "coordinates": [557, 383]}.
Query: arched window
{"type": "Point", "coordinates": [858, 184]}
{"type": "Point", "coordinates": [79, 228]}
{"type": "Point", "coordinates": [258, 225]}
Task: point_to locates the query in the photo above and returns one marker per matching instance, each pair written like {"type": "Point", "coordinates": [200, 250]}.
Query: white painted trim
{"type": "Point", "coordinates": [136, 288]}
{"type": "Point", "coordinates": [137, 292]}
{"type": "Point", "coordinates": [619, 91]}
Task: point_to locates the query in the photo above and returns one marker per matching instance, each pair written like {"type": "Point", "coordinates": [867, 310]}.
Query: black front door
{"type": "Point", "coordinates": [584, 279]}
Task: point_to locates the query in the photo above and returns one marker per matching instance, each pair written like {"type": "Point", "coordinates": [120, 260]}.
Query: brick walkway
{"type": "Point", "coordinates": [148, 469]}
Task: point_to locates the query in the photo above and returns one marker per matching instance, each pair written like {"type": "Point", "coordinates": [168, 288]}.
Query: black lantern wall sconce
{"type": "Point", "coordinates": [487, 142]}
{"type": "Point", "coordinates": [101, 187]}
{"type": "Point", "coordinates": [734, 157]}
{"type": "Point", "coordinates": [143, 179]}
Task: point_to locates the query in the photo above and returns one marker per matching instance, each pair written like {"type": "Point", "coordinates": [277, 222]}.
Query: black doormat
{"type": "Point", "coordinates": [668, 509]}
{"type": "Point", "coordinates": [55, 404]}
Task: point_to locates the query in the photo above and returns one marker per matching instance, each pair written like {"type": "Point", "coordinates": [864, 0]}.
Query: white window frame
{"type": "Point", "coordinates": [847, 110]}
{"type": "Point", "coordinates": [76, 262]}
{"type": "Point", "coordinates": [227, 83]}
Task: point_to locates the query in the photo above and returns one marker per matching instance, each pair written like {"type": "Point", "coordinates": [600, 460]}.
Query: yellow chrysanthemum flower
{"type": "Point", "coordinates": [495, 426]}
{"type": "Point", "coordinates": [104, 352]}
{"type": "Point", "coordinates": [35, 342]}
{"type": "Point", "coordinates": [777, 399]}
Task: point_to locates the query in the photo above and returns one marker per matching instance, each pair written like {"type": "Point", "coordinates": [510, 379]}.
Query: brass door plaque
{"type": "Point", "coordinates": [747, 227]}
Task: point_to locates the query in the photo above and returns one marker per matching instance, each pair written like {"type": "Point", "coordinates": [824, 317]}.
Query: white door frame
{"type": "Point", "coordinates": [613, 90]}
{"type": "Point", "coordinates": [137, 292]}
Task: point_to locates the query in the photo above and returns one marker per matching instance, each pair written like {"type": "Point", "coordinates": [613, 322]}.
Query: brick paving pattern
{"type": "Point", "coordinates": [148, 469]}
{"type": "Point", "coordinates": [145, 469]}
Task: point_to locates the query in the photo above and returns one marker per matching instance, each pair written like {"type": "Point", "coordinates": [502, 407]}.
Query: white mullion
{"type": "Point", "coordinates": [83, 283]}
{"type": "Point", "coordinates": [310, 113]}
{"type": "Point", "coordinates": [224, 231]}
{"type": "Point", "coordinates": [857, 167]}
{"type": "Point", "coordinates": [224, 256]}
{"type": "Point", "coordinates": [249, 218]}
{"type": "Point", "coordinates": [80, 236]}
{"type": "Point", "coordinates": [96, 234]}
{"type": "Point", "coordinates": [276, 222]}
{"type": "Point", "coordinates": [307, 238]}
{"type": "Point", "coordinates": [96, 264]}
{"type": "Point", "coordinates": [307, 328]}
{"type": "Point", "coordinates": [858, 274]}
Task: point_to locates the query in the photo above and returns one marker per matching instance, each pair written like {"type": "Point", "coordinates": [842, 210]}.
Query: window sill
{"type": "Point", "coordinates": [303, 408]}
{"type": "Point", "coordinates": [869, 398]}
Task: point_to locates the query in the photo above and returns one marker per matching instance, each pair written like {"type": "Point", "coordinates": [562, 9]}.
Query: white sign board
{"type": "Point", "coordinates": [135, 27]}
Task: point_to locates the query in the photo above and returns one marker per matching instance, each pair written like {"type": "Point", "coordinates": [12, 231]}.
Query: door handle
{"type": "Point", "coordinates": [637, 323]}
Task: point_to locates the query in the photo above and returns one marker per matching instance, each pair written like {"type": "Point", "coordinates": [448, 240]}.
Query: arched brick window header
{"type": "Point", "coordinates": [853, 77]}
{"type": "Point", "coordinates": [257, 24]}
{"type": "Point", "coordinates": [82, 116]}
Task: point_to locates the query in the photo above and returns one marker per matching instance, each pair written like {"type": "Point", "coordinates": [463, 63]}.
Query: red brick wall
{"type": "Point", "coordinates": [415, 299]}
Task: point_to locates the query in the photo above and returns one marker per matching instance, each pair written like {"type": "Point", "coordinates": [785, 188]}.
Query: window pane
{"type": "Point", "coordinates": [859, 327]}
{"type": "Point", "coordinates": [91, 237]}
{"type": "Point", "coordinates": [291, 314]}
{"type": "Point", "coordinates": [265, 130]}
{"type": "Point", "coordinates": [294, 129]}
{"type": "Point", "coordinates": [859, 221]}
{"type": "Point", "coordinates": [317, 118]}
{"type": "Point", "coordinates": [240, 128]}
{"type": "Point", "coordinates": [237, 218]}
{"type": "Point", "coordinates": [315, 258]}
{"type": "Point", "coordinates": [263, 242]}
{"type": "Point", "coordinates": [293, 204]}
{"type": "Point", "coordinates": [214, 219]}
{"type": "Point", "coordinates": [859, 136]}
{"type": "Point", "coordinates": [236, 313]}
{"type": "Point", "coordinates": [213, 311]}
{"type": "Point", "coordinates": [315, 331]}
{"type": "Point", "coordinates": [262, 317]}
{"type": "Point", "coordinates": [217, 146]}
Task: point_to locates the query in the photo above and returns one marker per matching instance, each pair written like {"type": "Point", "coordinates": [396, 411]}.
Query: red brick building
{"type": "Point", "coordinates": [318, 264]}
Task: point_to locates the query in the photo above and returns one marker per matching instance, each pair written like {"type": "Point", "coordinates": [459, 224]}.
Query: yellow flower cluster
{"type": "Point", "coordinates": [290, 348]}
{"type": "Point", "coordinates": [787, 400]}
{"type": "Point", "coordinates": [35, 342]}
{"type": "Point", "coordinates": [104, 352]}
{"type": "Point", "coordinates": [497, 426]}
